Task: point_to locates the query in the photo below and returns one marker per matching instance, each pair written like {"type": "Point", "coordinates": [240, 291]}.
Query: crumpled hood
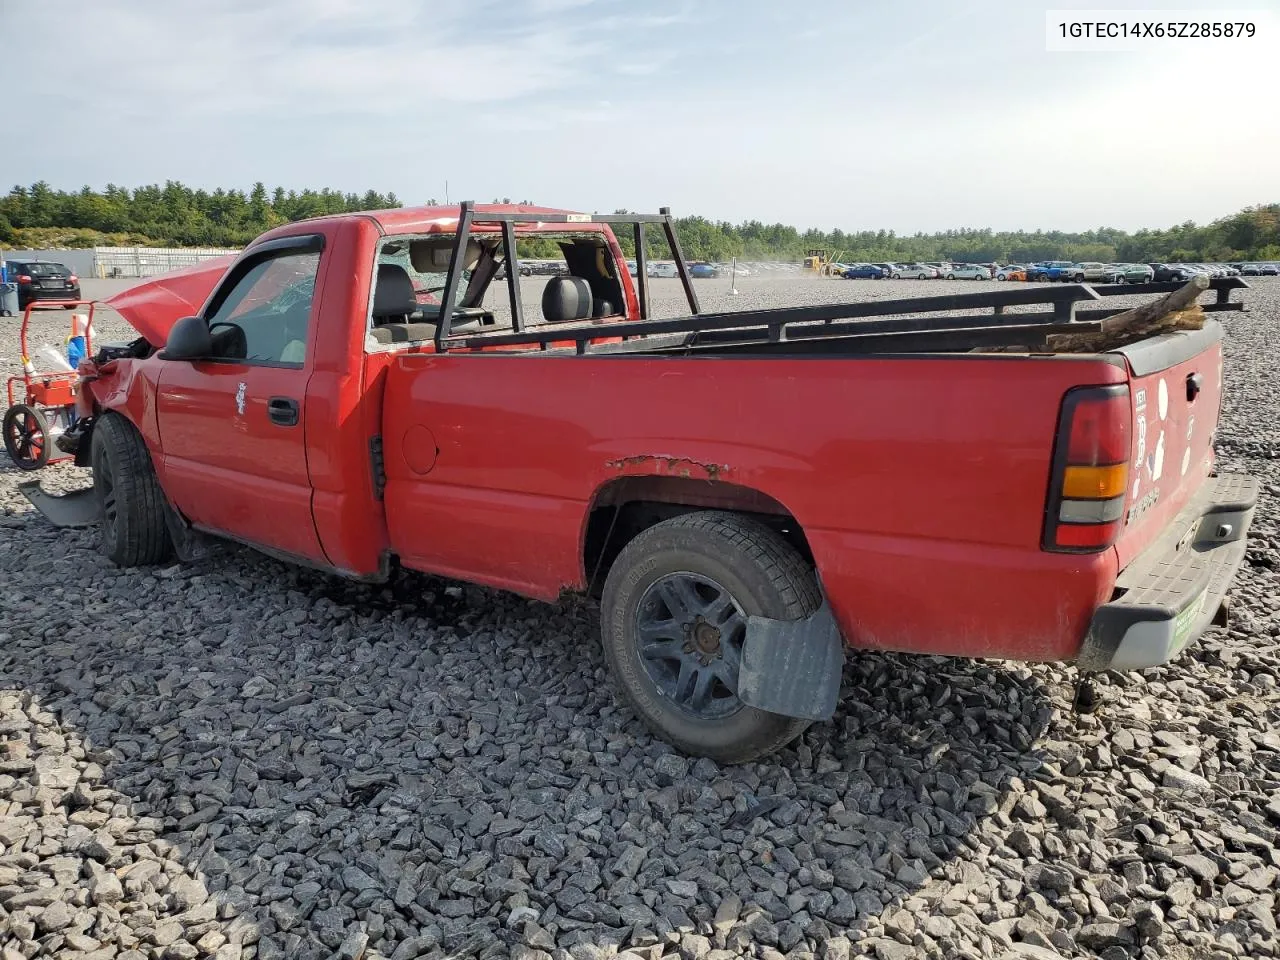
{"type": "Point", "coordinates": [154, 306]}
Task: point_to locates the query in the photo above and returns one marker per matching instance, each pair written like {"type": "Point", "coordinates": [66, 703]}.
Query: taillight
{"type": "Point", "coordinates": [73, 279]}
{"type": "Point", "coordinates": [23, 278]}
{"type": "Point", "coordinates": [1090, 480]}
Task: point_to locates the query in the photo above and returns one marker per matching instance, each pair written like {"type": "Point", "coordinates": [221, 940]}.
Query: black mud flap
{"type": "Point", "coordinates": [76, 509]}
{"type": "Point", "coordinates": [792, 667]}
{"type": "Point", "coordinates": [188, 543]}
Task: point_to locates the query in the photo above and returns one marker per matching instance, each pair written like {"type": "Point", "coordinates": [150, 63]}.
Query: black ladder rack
{"type": "Point", "coordinates": [914, 322]}
{"type": "Point", "coordinates": [952, 321]}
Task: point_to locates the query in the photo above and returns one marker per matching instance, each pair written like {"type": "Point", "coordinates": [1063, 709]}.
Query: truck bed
{"type": "Point", "coordinates": [894, 467]}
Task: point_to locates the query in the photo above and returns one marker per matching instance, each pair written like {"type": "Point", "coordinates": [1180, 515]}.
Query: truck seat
{"type": "Point", "coordinates": [394, 304]}
{"type": "Point", "coordinates": [565, 299]}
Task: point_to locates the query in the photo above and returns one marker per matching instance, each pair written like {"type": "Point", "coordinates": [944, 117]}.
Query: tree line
{"type": "Point", "coordinates": [1251, 234]}
{"type": "Point", "coordinates": [178, 215]}
{"type": "Point", "coordinates": [174, 215]}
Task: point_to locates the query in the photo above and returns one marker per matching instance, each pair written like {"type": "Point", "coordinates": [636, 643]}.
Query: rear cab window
{"type": "Point", "coordinates": [411, 271]}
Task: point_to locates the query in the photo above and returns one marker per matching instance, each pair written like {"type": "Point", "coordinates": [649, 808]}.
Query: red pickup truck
{"type": "Point", "coordinates": [747, 493]}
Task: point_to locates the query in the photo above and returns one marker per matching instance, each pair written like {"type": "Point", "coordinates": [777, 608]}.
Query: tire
{"type": "Point", "coordinates": [951, 276]}
{"type": "Point", "coordinates": [708, 554]}
{"type": "Point", "coordinates": [131, 505]}
{"type": "Point", "coordinates": [1001, 277]}
{"type": "Point", "coordinates": [896, 276]}
{"type": "Point", "coordinates": [1079, 278]}
{"type": "Point", "coordinates": [26, 436]}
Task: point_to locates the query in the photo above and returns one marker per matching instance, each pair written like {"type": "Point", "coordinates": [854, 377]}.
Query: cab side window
{"type": "Point", "coordinates": [265, 315]}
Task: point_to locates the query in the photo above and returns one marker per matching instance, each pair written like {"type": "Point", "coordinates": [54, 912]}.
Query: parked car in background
{"type": "Point", "coordinates": [1012, 271]}
{"type": "Point", "coordinates": [969, 271]}
{"type": "Point", "coordinates": [663, 268]}
{"type": "Point", "coordinates": [942, 266]}
{"type": "Point", "coordinates": [865, 271]}
{"type": "Point", "coordinates": [1130, 273]}
{"type": "Point", "coordinates": [888, 268]}
{"type": "Point", "coordinates": [913, 271]}
{"type": "Point", "coordinates": [1088, 271]}
{"type": "Point", "coordinates": [703, 271]}
{"type": "Point", "coordinates": [42, 280]}
{"type": "Point", "coordinates": [1269, 270]}
{"type": "Point", "coordinates": [1049, 270]}
{"type": "Point", "coordinates": [544, 268]}
{"type": "Point", "coordinates": [1165, 272]}
{"type": "Point", "coordinates": [523, 269]}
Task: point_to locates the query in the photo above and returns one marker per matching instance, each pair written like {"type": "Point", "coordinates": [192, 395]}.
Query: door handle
{"type": "Point", "coordinates": [283, 411]}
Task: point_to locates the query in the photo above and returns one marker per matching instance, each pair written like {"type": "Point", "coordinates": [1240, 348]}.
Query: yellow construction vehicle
{"type": "Point", "coordinates": [821, 263]}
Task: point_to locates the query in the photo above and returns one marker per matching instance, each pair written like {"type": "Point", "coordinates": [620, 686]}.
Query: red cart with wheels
{"type": "Point", "coordinates": [41, 405]}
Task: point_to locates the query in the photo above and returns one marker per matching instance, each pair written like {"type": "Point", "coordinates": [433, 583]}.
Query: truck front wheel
{"type": "Point", "coordinates": [131, 505]}
{"type": "Point", "coordinates": [673, 621]}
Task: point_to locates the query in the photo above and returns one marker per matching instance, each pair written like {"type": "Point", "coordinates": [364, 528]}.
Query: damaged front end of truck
{"type": "Point", "coordinates": [109, 378]}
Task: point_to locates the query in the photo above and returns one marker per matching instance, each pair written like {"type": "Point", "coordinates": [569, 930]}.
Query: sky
{"type": "Point", "coordinates": [857, 115]}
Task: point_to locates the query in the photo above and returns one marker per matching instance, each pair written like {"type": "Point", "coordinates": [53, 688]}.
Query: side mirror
{"type": "Point", "coordinates": [189, 339]}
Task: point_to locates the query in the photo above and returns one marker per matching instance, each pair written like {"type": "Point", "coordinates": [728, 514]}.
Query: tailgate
{"type": "Point", "coordinates": [1175, 391]}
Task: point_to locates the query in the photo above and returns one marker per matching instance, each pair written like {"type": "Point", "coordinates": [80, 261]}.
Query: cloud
{"type": "Point", "coordinates": [377, 57]}
{"type": "Point", "coordinates": [549, 117]}
{"type": "Point", "coordinates": [642, 68]}
{"type": "Point", "coordinates": [855, 115]}
{"type": "Point", "coordinates": [557, 6]}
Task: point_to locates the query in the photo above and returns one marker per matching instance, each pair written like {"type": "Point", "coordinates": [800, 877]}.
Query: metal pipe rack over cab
{"type": "Point", "coordinates": [747, 493]}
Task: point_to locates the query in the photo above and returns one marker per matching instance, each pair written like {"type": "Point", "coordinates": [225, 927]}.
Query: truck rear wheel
{"type": "Point", "coordinates": [131, 505]}
{"type": "Point", "coordinates": [673, 621]}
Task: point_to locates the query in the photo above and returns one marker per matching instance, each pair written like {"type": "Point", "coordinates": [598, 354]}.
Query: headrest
{"type": "Point", "coordinates": [566, 298]}
{"type": "Point", "coordinates": [432, 256]}
{"type": "Point", "coordinates": [393, 296]}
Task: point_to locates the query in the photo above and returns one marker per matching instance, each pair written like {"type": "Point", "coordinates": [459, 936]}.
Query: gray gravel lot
{"type": "Point", "coordinates": [239, 758]}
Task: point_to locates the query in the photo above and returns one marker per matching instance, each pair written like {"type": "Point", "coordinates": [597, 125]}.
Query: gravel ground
{"type": "Point", "coordinates": [238, 758]}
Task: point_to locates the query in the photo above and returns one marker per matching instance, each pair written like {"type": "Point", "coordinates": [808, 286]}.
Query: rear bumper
{"type": "Point", "coordinates": [66, 293]}
{"type": "Point", "coordinates": [1174, 590]}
